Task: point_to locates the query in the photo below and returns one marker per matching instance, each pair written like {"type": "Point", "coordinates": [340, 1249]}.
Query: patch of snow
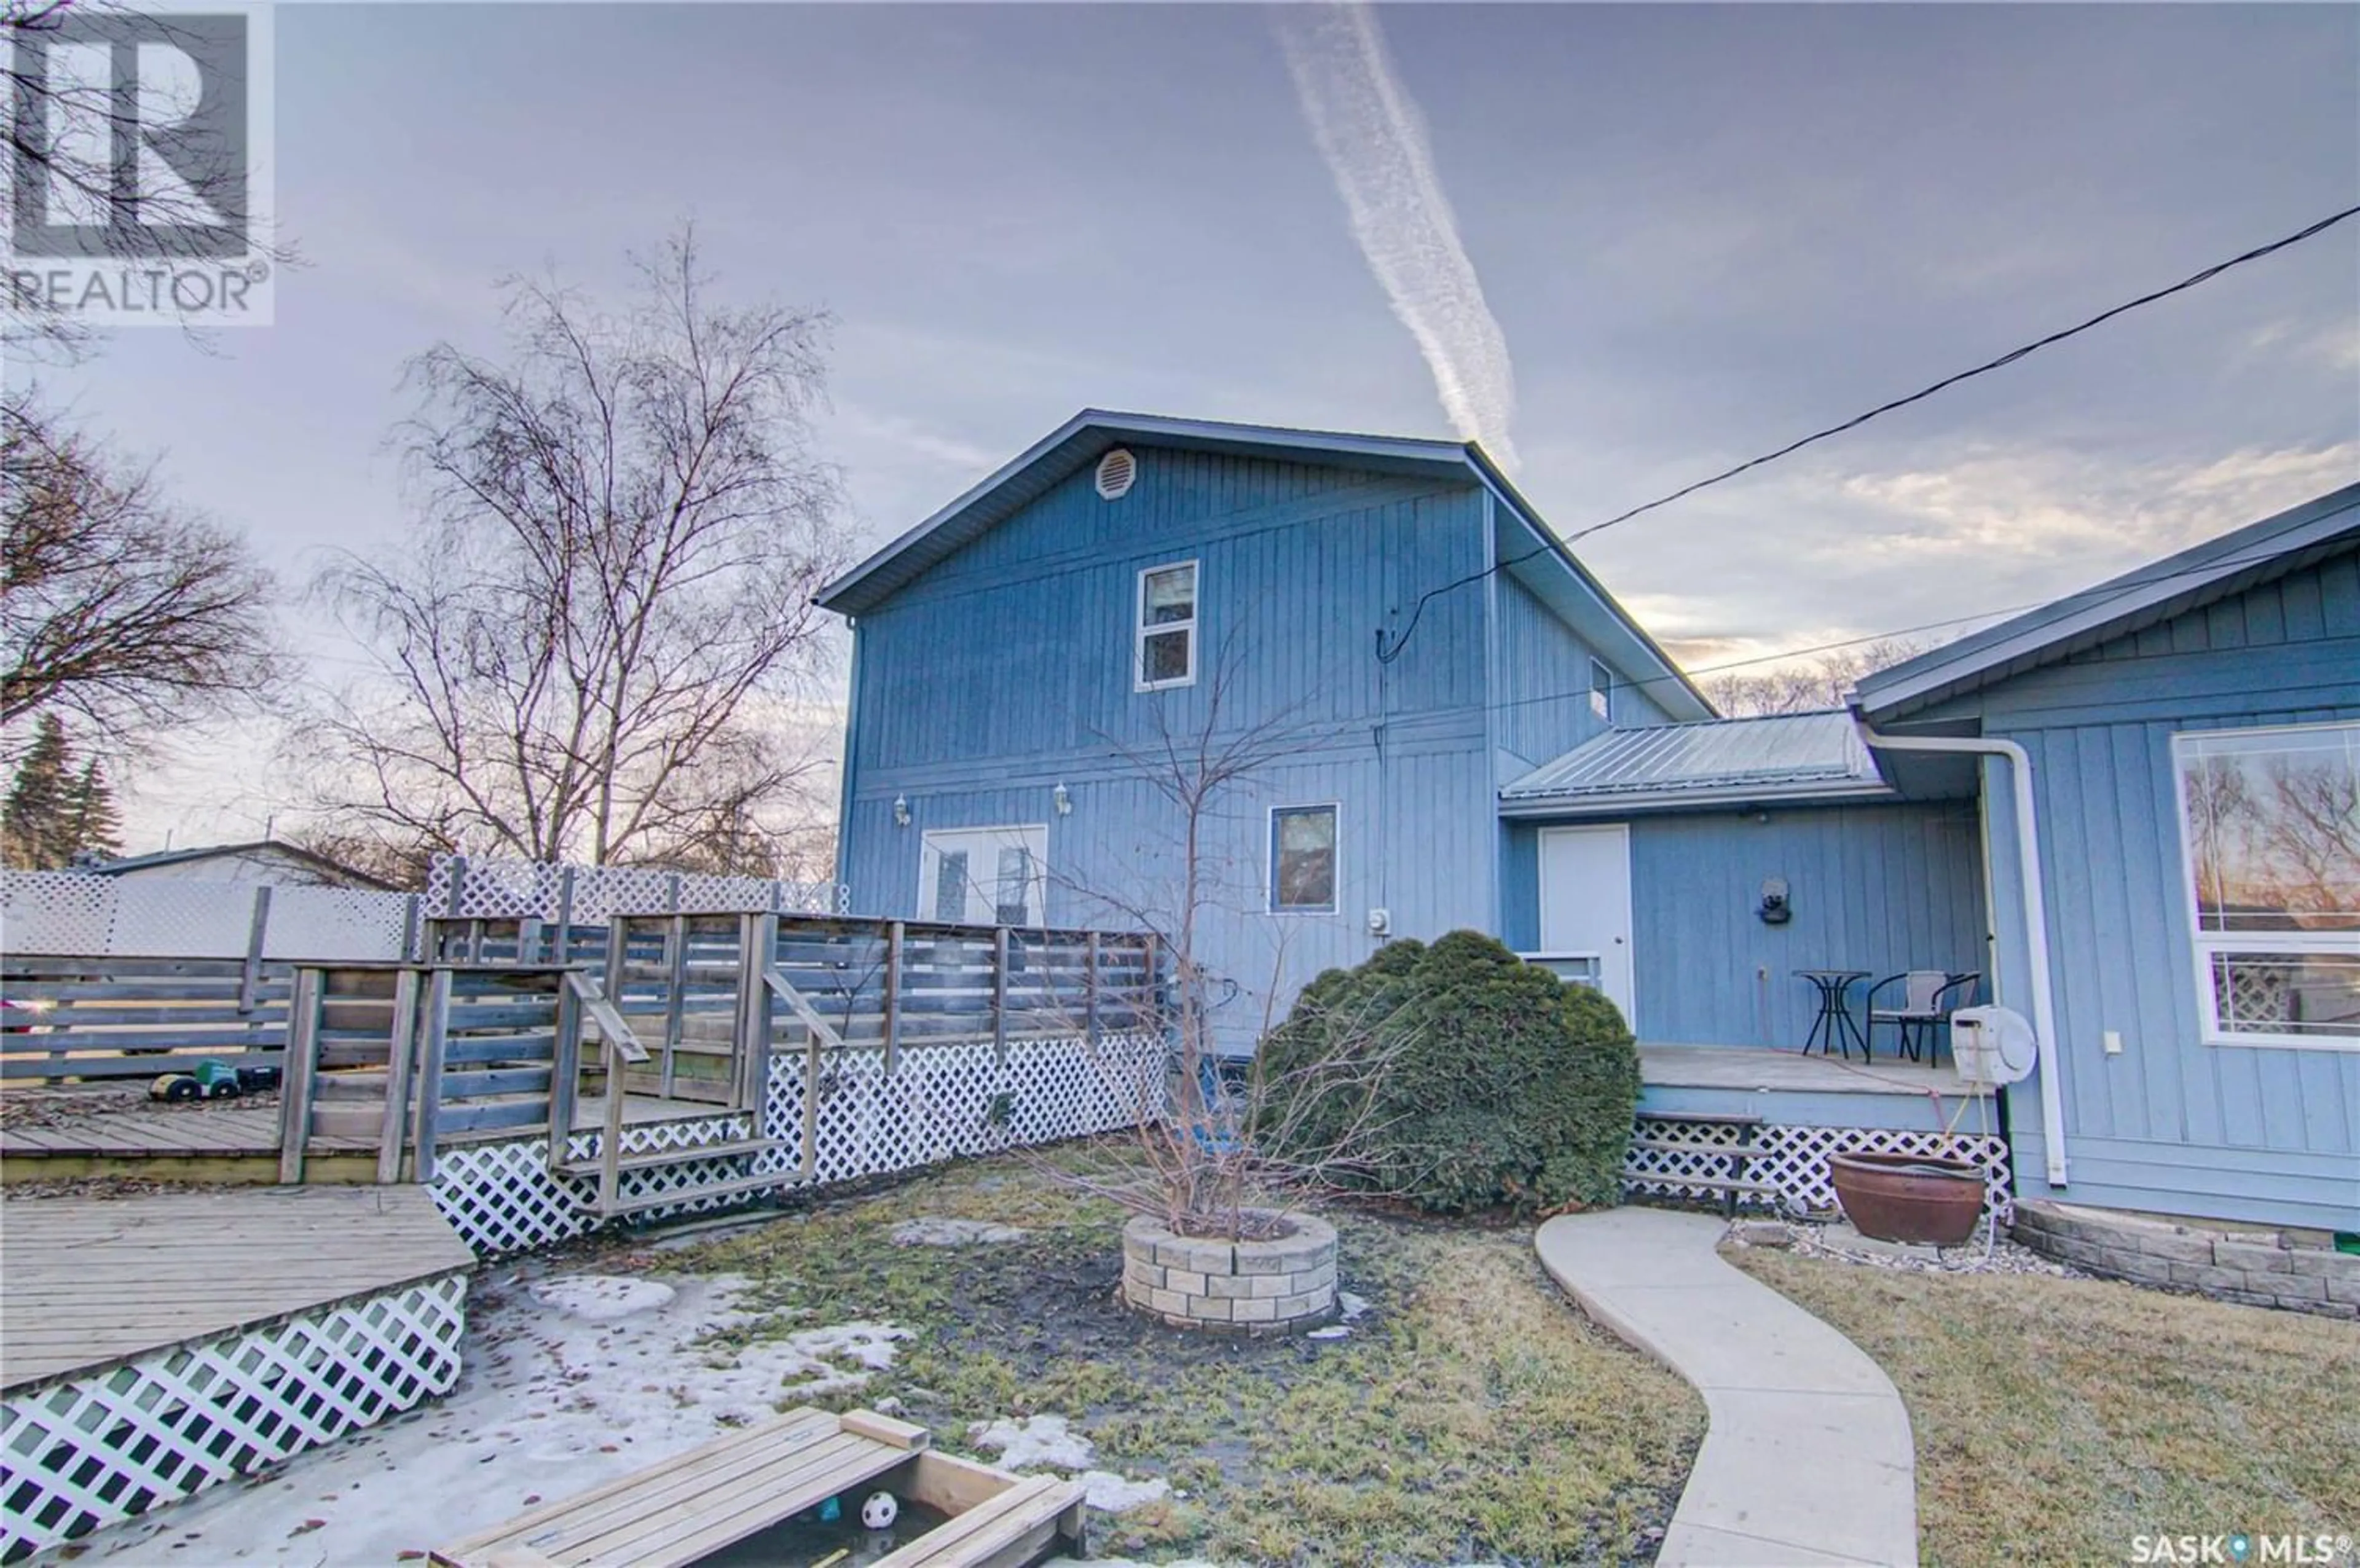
{"type": "Point", "coordinates": [1110, 1493]}
{"type": "Point", "coordinates": [933, 1230]}
{"type": "Point", "coordinates": [564, 1386]}
{"type": "Point", "coordinates": [602, 1298]}
{"type": "Point", "coordinates": [1034, 1442]}
{"type": "Point", "coordinates": [870, 1344]}
{"type": "Point", "coordinates": [1333, 1331]}
{"type": "Point", "coordinates": [1354, 1307]}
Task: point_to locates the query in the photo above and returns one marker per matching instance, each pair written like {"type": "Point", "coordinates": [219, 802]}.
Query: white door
{"type": "Point", "coordinates": [985, 876]}
{"type": "Point", "coordinates": [1586, 907]}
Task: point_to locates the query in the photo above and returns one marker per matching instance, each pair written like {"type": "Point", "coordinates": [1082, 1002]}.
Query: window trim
{"type": "Point", "coordinates": [1335, 905]}
{"type": "Point", "coordinates": [2204, 944]}
{"type": "Point", "coordinates": [1142, 630]}
{"type": "Point", "coordinates": [1602, 696]}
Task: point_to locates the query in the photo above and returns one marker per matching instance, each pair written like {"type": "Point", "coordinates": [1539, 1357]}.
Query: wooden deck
{"type": "Point", "coordinates": [1755, 1068]}
{"type": "Point", "coordinates": [236, 1131]}
{"type": "Point", "coordinates": [86, 1283]}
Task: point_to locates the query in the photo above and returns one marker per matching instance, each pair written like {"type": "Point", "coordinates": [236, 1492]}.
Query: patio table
{"type": "Point", "coordinates": [1834, 1022]}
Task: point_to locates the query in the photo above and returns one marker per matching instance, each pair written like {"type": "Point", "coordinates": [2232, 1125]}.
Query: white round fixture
{"type": "Point", "coordinates": [1116, 471]}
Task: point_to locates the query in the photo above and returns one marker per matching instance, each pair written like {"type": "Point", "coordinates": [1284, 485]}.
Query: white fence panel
{"type": "Point", "coordinates": [44, 912]}
{"type": "Point", "coordinates": [70, 912]}
{"type": "Point", "coordinates": [347, 924]}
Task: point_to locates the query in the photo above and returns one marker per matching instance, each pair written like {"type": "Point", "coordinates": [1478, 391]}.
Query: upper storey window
{"type": "Point", "coordinates": [1166, 651]}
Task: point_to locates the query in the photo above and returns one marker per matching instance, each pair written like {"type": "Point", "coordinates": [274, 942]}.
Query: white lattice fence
{"type": "Point", "coordinates": [591, 895]}
{"type": "Point", "coordinates": [940, 1101]}
{"type": "Point", "coordinates": [74, 914]}
{"type": "Point", "coordinates": [89, 1451]}
{"type": "Point", "coordinates": [1793, 1160]}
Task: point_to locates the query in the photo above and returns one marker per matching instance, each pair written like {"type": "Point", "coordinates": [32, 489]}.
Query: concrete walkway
{"type": "Point", "coordinates": [1807, 1457]}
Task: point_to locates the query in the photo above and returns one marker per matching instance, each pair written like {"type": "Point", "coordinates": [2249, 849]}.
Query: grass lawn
{"type": "Point", "coordinates": [2057, 1419]}
{"type": "Point", "coordinates": [1472, 1416]}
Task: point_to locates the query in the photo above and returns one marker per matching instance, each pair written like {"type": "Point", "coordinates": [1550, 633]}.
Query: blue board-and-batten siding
{"type": "Point", "coordinates": [1884, 887]}
{"type": "Point", "coordinates": [2169, 1123]}
{"type": "Point", "coordinates": [1005, 670]}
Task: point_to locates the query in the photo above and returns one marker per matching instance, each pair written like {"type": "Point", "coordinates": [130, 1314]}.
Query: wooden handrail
{"type": "Point", "coordinates": [800, 1005]}
{"type": "Point", "coordinates": [608, 1018]}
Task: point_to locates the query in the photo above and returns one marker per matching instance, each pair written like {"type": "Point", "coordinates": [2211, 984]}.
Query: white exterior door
{"type": "Point", "coordinates": [1586, 907]}
{"type": "Point", "coordinates": [985, 876]}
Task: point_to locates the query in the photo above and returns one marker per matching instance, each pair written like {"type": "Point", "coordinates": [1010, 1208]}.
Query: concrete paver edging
{"type": "Point", "coordinates": [1808, 1456]}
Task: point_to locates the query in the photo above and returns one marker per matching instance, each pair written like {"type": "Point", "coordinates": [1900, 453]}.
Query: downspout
{"type": "Point", "coordinates": [2036, 917]}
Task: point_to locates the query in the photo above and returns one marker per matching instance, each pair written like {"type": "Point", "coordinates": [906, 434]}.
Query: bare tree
{"type": "Point", "coordinates": [119, 608]}
{"type": "Point", "coordinates": [1823, 684]}
{"type": "Point", "coordinates": [1214, 1140]}
{"type": "Point", "coordinates": [583, 648]}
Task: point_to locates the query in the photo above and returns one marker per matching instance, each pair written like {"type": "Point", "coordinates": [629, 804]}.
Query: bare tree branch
{"type": "Point", "coordinates": [118, 607]}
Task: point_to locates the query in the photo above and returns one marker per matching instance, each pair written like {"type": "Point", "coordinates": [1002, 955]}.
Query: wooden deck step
{"type": "Point", "coordinates": [656, 1158]}
{"type": "Point", "coordinates": [743, 1184]}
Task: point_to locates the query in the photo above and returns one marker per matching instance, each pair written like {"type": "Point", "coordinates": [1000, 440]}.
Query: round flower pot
{"type": "Point", "coordinates": [1281, 1285]}
{"type": "Point", "coordinates": [1909, 1197]}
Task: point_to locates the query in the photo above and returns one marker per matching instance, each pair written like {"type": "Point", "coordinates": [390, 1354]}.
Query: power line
{"type": "Point", "coordinates": [2091, 598]}
{"type": "Point", "coordinates": [1389, 651]}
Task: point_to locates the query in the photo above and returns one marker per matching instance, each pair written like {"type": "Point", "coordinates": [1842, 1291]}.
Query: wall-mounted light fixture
{"type": "Point", "coordinates": [1063, 799]}
{"type": "Point", "coordinates": [901, 810]}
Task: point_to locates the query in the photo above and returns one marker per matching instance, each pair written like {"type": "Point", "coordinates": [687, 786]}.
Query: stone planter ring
{"type": "Point", "coordinates": [1282, 1285]}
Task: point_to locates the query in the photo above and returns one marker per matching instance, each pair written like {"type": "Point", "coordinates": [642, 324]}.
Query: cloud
{"type": "Point", "coordinates": [1369, 131]}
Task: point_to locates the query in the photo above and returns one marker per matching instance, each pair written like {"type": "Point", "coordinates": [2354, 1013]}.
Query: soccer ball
{"type": "Point", "coordinates": [880, 1510]}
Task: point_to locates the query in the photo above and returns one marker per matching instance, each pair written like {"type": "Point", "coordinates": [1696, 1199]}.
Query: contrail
{"type": "Point", "coordinates": [1369, 130]}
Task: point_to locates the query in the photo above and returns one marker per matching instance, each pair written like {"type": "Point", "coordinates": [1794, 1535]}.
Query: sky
{"type": "Point", "coordinates": [1625, 246]}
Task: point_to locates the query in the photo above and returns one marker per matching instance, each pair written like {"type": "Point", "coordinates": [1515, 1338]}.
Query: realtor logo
{"type": "Point", "coordinates": [136, 190]}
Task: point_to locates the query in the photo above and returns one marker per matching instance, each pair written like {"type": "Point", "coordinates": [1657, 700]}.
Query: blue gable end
{"type": "Point", "coordinates": [994, 651]}
{"type": "Point", "coordinates": [2165, 1122]}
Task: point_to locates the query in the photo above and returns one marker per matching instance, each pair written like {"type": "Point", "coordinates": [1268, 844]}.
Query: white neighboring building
{"type": "Point", "coordinates": [265, 860]}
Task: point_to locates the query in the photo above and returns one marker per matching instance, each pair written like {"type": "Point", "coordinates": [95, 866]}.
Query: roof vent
{"type": "Point", "coordinates": [1116, 471]}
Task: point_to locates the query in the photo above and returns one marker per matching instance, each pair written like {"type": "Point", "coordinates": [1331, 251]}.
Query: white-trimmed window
{"type": "Point", "coordinates": [1601, 690]}
{"type": "Point", "coordinates": [1302, 860]}
{"type": "Point", "coordinates": [2270, 822]}
{"type": "Point", "coordinates": [1165, 654]}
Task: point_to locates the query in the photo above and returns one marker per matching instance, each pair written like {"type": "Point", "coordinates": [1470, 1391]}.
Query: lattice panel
{"type": "Point", "coordinates": [1799, 1161]}
{"type": "Point", "coordinates": [517, 889]}
{"type": "Point", "coordinates": [1657, 1171]}
{"type": "Point", "coordinates": [1793, 1160]}
{"type": "Point", "coordinates": [939, 1101]}
{"type": "Point", "coordinates": [340, 923]}
{"type": "Point", "coordinates": [71, 912]}
{"type": "Point", "coordinates": [82, 1453]}
{"type": "Point", "coordinates": [56, 911]}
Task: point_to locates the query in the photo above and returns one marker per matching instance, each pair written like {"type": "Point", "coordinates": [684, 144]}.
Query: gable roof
{"type": "Point", "coordinates": [220, 851]}
{"type": "Point", "coordinates": [1777, 756]}
{"type": "Point", "coordinates": [2156, 592]}
{"type": "Point", "coordinates": [1090, 434]}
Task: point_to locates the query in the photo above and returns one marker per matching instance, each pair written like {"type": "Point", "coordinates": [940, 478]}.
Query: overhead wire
{"type": "Point", "coordinates": [1390, 649]}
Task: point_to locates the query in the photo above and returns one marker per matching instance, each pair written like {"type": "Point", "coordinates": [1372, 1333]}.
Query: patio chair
{"type": "Point", "coordinates": [1927, 998]}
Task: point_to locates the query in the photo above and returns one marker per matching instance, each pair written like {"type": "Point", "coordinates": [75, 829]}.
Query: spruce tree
{"type": "Point", "coordinates": [36, 825]}
{"type": "Point", "coordinates": [93, 823]}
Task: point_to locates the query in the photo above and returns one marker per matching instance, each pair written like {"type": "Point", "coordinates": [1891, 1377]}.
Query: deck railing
{"type": "Point", "coordinates": [499, 1030]}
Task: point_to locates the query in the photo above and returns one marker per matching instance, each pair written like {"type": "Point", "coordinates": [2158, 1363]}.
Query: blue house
{"type": "Point", "coordinates": [1424, 714]}
{"type": "Point", "coordinates": [2169, 769]}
